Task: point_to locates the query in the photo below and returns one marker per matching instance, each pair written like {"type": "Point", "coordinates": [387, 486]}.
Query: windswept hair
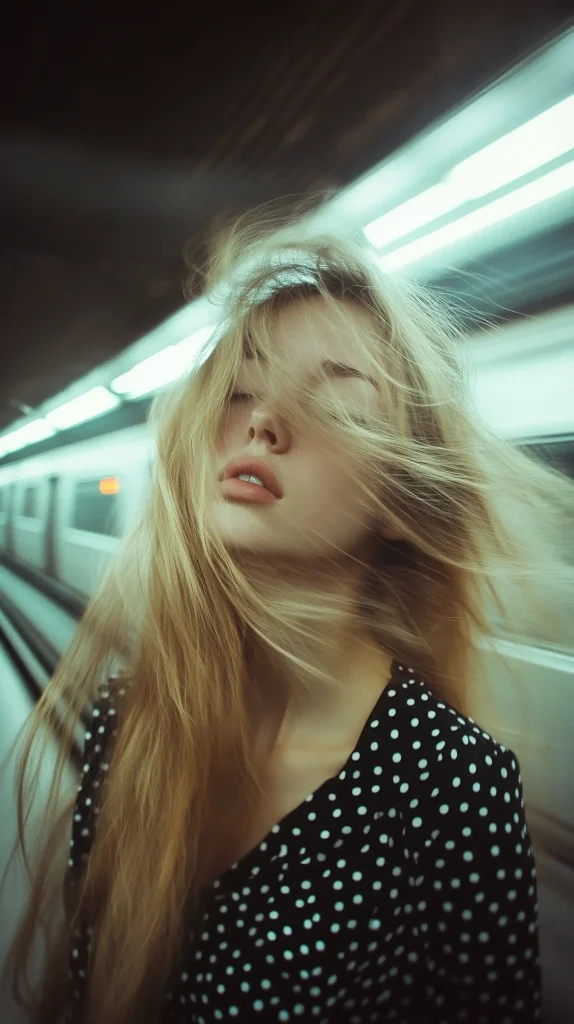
{"type": "Point", "coordinates": [194, 630]}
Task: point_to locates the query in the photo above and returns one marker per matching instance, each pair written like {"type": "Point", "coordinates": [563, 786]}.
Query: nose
{"type": "Point", "coordinates": [267, 426]}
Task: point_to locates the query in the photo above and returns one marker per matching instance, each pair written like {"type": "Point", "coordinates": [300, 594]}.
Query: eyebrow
{"type": "Point", "coordinates": [336, 370]}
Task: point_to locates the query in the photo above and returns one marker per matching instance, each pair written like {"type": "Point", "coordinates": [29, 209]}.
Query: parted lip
{"type": "Point", "coordinates": [255, 467]}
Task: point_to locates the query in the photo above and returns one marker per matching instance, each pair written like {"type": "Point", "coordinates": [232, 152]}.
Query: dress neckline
{"type": "Point", "coordinates": [243, 863]}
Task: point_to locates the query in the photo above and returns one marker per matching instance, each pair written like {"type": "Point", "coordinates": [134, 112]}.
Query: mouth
{"type": "Point", "coordinates": [251, 478]}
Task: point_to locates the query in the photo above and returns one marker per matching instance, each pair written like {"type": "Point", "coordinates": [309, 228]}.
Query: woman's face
{"type": "Point", "coordinates": [319, 513]}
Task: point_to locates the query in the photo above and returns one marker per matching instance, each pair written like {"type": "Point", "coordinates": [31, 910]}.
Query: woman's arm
{"type": "Point", "coordinates": [480, 924]}
{"type": "Point", "coordinates": [98, 736]}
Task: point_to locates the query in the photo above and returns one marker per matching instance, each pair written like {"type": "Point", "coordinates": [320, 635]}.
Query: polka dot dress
{"type": "Point", "coordinates": [403, 889]}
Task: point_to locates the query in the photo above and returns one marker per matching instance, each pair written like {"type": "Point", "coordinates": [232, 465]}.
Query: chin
{"type": "Point", "coordinates": [239, 529]}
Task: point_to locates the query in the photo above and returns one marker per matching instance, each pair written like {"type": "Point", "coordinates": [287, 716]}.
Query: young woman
{"type": "Point", "coordinates": [285, 812]}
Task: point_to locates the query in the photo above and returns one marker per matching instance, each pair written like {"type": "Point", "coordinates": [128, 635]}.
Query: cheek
{"type": "Point", "coordinates": [231, 427]}
{"type": "Point", "coordinates": [330, 492]}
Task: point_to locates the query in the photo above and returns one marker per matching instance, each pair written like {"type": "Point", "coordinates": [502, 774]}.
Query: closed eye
{"type": "Point", "coordinates": [239, 396]}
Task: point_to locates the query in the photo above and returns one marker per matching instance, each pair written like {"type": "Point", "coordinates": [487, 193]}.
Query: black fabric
{"type": "Point", "coordinates": [403, 889]}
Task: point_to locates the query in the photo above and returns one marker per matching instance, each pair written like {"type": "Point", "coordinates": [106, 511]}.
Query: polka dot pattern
{"type": "Point", "coordinates": [401, 890]}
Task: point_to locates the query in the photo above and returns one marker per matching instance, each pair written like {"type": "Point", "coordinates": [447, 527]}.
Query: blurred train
{"type": "Point", "coordinates": [63, 511]}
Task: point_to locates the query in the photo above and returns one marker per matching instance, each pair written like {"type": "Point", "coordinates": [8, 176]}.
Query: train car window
{"type": "Point", "coordinates": [554, 630]}
{"type": "Point", "coordinates": [95, 506]}
{"type": "Point", "coordinates": [558, 454]}
{"type": "Point", "coordinates": [29, 507]}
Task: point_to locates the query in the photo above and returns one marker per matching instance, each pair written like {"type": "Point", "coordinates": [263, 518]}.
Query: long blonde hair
{"type": "Point", "coordinates": [193, 629]}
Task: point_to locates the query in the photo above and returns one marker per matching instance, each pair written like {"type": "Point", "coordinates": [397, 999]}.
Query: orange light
{"type": "Point", "coordinates": [109, 485]}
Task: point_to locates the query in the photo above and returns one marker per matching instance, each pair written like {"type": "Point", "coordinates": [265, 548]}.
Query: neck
{"type": "Point", "coordinates": [332, 652]}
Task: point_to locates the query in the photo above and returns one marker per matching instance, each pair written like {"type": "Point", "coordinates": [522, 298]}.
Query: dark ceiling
{"type": "Point", "coordinates": [127, 136]}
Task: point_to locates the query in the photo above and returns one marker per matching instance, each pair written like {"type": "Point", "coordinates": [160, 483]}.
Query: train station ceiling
{"type": "Point", "coordinates": [127, 137]}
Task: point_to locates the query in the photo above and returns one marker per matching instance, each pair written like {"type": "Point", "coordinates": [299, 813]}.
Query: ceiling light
{"type": "Point", "coordinates": [86, 407]}
{"type": "Point", "coordinates": [521, 199]}
{"type": "Point", "coordinates": [30, 433]}
{"type": "Point", "coordinates": [540, 140]}
{"type": "Point", "coordinates": [533, 144]}
{"type": "Point", "coordinates": [164, 367]}
{"type": "Point", "coordinates": [415, 213]}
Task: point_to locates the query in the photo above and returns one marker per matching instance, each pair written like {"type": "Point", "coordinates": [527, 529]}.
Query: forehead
{"type": "Point", "coordinates": [311, 330]}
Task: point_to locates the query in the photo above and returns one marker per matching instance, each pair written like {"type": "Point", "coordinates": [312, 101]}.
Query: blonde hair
{"type": "Point", "coordinates": [193, 629]}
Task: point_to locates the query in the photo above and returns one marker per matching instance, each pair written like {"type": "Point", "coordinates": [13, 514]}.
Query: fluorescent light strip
{"type": "Point", "coordinates": [86, 407]}
{"type": "Point", "coordinates": [164, 367]}
{"type": "Point", "coordinates": [540, 140]}
{"type": "Point", "coordinates": [546, 187]}
{"type": "Point", "coordinates": [30, 433]}
{"type": "Point", "coordinates": [533, 144]}
{"type": "Point", "coordinates": [149, 375]}
{"type": "Point", "coordinates": [415, 213]}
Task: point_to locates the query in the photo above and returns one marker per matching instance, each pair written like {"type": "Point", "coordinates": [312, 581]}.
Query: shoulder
{"type": "Point", "coordinates": [426, 727]}
{"type": "Point", "coordinates": [100, 719]}
{"type": "Point", "coordinates": [101, 723]}
{"type": "Point", "coordinates": [446, 764]}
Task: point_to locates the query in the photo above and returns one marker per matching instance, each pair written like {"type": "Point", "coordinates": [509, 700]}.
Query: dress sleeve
{"type": "Point", "coordinates": [480, 920]}
{"type": "Point", "coordinates": [100, 729]}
